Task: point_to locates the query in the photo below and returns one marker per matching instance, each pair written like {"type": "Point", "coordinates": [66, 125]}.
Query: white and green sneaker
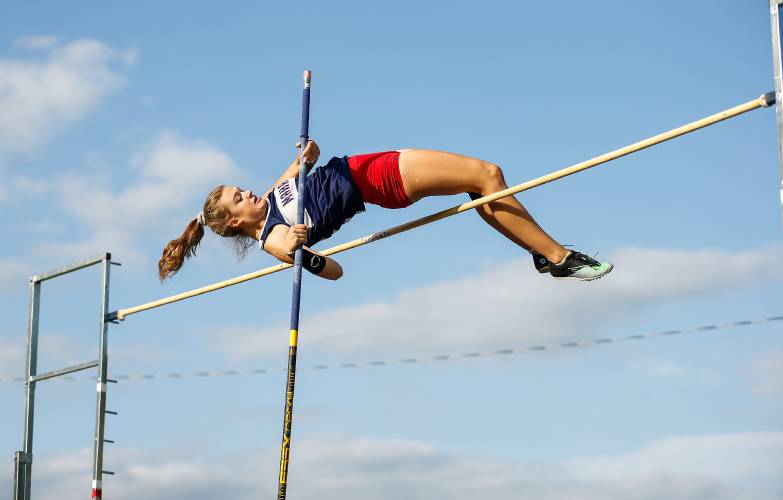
{"type": "Point", "coordinates": [578, 266]}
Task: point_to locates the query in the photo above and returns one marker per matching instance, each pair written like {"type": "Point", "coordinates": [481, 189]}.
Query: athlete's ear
{"type": "Point", "coordinates": [233, 223]}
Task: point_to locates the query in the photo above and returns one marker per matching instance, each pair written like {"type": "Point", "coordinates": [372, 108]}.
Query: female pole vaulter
{"type": "Point", "coordinates": [339, 190]}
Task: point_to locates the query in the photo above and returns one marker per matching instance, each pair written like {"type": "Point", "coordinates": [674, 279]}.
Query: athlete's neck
{"type": "Point", "coordinates": [260, 227]}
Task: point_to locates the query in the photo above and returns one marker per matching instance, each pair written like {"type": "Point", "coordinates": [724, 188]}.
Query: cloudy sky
{"type": "Point", "coordinates": [115, 121]}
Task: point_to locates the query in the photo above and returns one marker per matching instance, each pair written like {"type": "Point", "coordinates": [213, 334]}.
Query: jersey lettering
{"type": "Point", "coordinates": [287, 199]}
{"type": "Point", "coordinates": [286, 196]}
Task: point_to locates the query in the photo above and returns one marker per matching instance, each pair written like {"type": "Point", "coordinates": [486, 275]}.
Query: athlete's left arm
{"type": "Point", "coordinates": [310, 154]}
{"type": "Point", "coordinates": [281, 242]}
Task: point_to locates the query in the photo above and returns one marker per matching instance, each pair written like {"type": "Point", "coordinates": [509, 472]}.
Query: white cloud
{"type": "Point", "coordinates": [172, 176]}
{"type": "Point", "coordinates": [767, 372]}
{"type": "Point", "coordinates": [175, 174]}
{"type": "Point", "coordinates": [39, 96]}
{"type": "Point", "coordinates": [509, 305]}
{"type": "Point", "coordinates": [709, 457]}
{"type": "Point", "coordinates": [742, 466]}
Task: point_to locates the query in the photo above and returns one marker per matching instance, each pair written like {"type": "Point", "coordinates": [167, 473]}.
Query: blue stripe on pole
{"type": "Point", "coordinates": [303, 138]}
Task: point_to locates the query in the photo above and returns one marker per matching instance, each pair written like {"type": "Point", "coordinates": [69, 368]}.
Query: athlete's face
{"type": "Point", "coordinates": [246, 208]}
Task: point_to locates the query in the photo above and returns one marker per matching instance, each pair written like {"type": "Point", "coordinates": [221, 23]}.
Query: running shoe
{"type": "Point", "coordinates": [578, 266]}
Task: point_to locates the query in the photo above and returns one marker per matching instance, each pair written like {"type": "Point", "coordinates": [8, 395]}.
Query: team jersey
{"type": "Point", "coordinates": [331, 200]}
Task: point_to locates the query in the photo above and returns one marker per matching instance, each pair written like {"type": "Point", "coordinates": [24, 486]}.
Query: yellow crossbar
{"type": "Point", "coordinates": [763, 101]}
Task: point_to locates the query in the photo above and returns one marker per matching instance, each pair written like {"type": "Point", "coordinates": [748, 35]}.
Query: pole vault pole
{"type": "Point", "coordinates": [285, 449]}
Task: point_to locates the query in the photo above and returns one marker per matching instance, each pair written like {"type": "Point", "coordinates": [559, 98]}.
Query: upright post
{"type": "Point", "coordinates": [100, 407]}
{"type": "Point", "coordinates": [777, 64]}
{"type": "Point", "coordinates": [285, 450]}
{"type": "Point", "coordinates": [24, 459]}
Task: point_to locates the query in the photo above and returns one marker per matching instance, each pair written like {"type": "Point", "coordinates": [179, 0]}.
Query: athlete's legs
{"type": "Point", "coordinates": [433, 173]}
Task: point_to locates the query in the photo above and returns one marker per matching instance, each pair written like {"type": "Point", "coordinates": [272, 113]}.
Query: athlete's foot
{"type": "Point", "coordinates": [578, 266]}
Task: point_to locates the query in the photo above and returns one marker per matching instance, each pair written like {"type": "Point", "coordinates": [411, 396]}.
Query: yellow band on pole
{"type": "Point", "coordinates": [763, 101]}
{"type": "Point", "coordinates": [294, 339]}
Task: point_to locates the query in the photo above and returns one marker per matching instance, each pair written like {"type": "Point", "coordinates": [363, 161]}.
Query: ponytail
{"type": "Point", "coordinates": [178, 250]}
{"type": "Point", "coordinates": [215, 216]}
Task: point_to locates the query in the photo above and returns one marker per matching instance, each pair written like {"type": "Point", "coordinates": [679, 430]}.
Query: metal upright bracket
{"type": "Point", "coordinates": [777, 65]}
{"type": "Point", "coordinates": [23, 459]}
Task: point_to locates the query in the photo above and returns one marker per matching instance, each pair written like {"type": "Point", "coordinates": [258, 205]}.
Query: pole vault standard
{"type": "Point", "coordinates": [285, 448]}
{"type": "Point", "coordinates": [763, 101]}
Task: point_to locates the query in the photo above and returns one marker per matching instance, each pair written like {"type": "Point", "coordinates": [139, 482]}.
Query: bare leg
{"type": "Point", "coordinates": [434, 173]}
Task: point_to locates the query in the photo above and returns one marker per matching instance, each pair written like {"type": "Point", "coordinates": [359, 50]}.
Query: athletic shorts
{"type": "Point", "coordinates": [377, 176]}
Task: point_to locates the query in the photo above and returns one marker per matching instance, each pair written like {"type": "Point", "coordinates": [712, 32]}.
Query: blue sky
{"type": "Point", "coordinates": [117, 120]}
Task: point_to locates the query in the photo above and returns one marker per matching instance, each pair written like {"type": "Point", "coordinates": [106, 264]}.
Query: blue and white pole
{"type": "Point", "coordinates": [285, 451]}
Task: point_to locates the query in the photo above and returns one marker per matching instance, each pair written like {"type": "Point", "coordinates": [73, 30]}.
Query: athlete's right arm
{"type": "Point", "coordinates": [282, 241]}
{"type": "Point", "coordinates": [311, 154]}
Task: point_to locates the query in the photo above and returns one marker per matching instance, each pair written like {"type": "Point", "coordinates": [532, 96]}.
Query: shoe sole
{"type": "Point", "coordinates": [584, 279]}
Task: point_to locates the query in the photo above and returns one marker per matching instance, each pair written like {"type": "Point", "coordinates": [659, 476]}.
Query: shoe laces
{"type": "Point", "coordinates": [590, 261]}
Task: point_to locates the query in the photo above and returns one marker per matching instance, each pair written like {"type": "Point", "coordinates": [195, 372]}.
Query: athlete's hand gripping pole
{"type": "Point", "coordinates": [294, 333]}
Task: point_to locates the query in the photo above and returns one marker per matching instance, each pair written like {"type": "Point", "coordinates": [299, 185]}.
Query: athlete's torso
{"type": "Point", "coordinates": [331, 200]}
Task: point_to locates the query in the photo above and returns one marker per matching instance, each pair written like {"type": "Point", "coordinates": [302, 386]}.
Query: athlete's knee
{"type": "Point", "coordinates": [493, 177]}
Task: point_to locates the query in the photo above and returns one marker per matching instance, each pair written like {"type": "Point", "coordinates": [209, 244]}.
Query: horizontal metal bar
{"type": "Point", "coordinates": [64, 371]}
{"type": "Point", "coordinates": [107, 472]}
{"type": "Point", "coordinates": [54, 273]}
{"type": "Point", "coordinates": [110, 412]}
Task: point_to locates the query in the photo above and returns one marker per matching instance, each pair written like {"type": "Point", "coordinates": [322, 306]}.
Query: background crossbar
{"type": "Point", "coordinates": [65, 371]}
{"type": "Point", "coordinates": [54, 273]}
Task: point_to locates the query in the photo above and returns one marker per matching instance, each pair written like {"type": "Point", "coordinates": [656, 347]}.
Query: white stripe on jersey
{"type": "Point", "coordinates": [287, 200]}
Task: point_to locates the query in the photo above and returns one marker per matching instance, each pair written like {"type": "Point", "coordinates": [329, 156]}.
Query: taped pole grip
{"type": "Point", "coordinates": [288, 415]}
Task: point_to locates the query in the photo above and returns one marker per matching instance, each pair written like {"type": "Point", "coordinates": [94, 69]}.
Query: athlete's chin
{"type": "Point", "coordinates": [261, 209]}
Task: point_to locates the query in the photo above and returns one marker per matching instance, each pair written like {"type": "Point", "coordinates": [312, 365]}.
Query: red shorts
{"type": "Point", "coordinates": [377, 176]}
